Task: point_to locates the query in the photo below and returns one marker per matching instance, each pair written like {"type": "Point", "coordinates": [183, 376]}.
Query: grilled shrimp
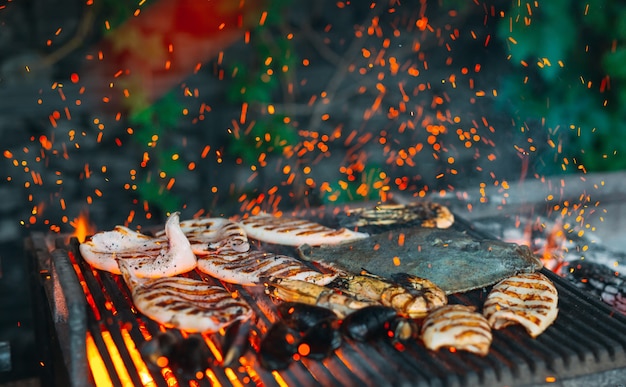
{"type": "Point", "coordinates": [415, 300]}
{"type": "Point", "coordinates": [300, 291]}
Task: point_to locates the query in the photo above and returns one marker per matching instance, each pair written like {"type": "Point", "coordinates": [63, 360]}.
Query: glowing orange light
{"type": "Point", "coordinates": [82, 226]}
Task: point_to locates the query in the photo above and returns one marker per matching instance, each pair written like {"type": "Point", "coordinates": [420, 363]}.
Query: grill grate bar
{"type": "Point", "coordinates": [586, 338]}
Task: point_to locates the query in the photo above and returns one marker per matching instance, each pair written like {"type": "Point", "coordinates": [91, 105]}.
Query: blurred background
{"type": "Point", "coordinates": [114, 112]}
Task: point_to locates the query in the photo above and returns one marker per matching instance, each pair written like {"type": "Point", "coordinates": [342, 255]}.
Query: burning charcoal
{"type": "Point", "coordinates": [302, 317]}
{"type": "Point", "coordinates": [278, 346]}
{"type": "Point", "coordinates": [600, 280]}
{"type": "Point", "coordinates": [378, 321]}
{"type": "Point", "coordinates": [159, 350]}
{"type": "Point", "coordinates": [185, 356]}
{"type": "Point", "coordinates": [234, 342]}
{"type": "Point", "coordinates": [189, 356]}
{"type": "Point", "coordinates": [320, 340]}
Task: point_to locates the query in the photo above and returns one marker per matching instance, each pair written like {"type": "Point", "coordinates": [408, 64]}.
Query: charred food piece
{"type": "Point", "coordinates": [529, 299]}
{"type": "Point", "coordinates": [457, 326]}
{"type": "Point", "coordinates": [378, 321]}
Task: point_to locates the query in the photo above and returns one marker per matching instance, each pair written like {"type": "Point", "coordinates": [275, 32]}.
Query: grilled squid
{"type": "Point", "coordinates": [295, 232]}
{"type": "Point", "coordinates": [147, 257]}
{"type": "Point", "coordinates": [247, 268]}
{"type": "Point", "coordinates": [185, 303]}
{"type": "Point", "coordinates": [207, 235]}
{"type": "Point", "coordinates": [528, 299]}
{"type": "Point", "coordinates": [457, 326]}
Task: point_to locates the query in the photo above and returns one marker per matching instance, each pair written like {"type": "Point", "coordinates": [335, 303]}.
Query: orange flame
{"type": "Point", "coordinates": [82, 226]}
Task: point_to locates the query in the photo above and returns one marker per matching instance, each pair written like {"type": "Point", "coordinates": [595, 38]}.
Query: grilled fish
{"type": "Point", "coordinates": [185, 303]}
{"type": "Point", "coordinates": [148, 257]}
{"type": "Point", "coordinates": [249, 267]}
{"type": "Point", "coordinates": [451, 259]}
{"type": "Point", "coordinates": [527, 299]}
{"type": "Point", "coordinates": [457, 326]}
{"type": "Point", "coordinates": [294, 232]}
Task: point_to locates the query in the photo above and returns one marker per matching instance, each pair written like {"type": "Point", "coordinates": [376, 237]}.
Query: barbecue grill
{"type": "Point", "coordinates": [91, 334]}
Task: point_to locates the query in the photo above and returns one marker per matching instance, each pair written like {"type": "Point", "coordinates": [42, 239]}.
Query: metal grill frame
{"type": "Point", "coordinates": [587, 342]}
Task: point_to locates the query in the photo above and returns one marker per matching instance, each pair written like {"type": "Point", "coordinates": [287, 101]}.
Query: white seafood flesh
{"type": "Point", "coordinates": [248, 268]}
{"type": "Point", "coordinates": [457, 326]}
{"type": "Point", "coordinates": [295, 232]}
{"type": "Point", "coordinates": [185, 303]}
{"type": "Point", "coordinates": [148, 257]}
{"type": "Point", "coordinates": [207, 234]}
{"type": "Point", "coordinates": [527, 299]}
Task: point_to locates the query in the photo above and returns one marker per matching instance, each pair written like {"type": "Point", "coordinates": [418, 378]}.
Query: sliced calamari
{"type": "Point", "coordinates": [148, 257]}
{"type": "Point", "coordinates": [428, 214]}
{"type": "Point", "coordinates": [185, 303]}
{"type": "Point", "coordinates": [457, 326]}
{"type": "Point", "coordinates": [287, 231]}
{"type": "Point", "coordinates": [451, 259]}
{"type": "Point", "coordinates": [250, 267]}
{"type": "Point", "coordinates": [206, 234]}
{"type": "Point", "coordinates": [528, 299]}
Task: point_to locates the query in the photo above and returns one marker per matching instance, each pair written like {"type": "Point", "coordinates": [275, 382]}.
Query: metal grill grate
{"type": "Point", "coordinates": [587, 338]}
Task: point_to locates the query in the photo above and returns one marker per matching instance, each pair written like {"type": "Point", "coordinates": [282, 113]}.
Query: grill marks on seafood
{"type": "Point", "coordinates": [294, 232]}
{"type": "Point", "coordinates": [148, 257]}
{"type": "Point", "coordinates": [415, 301]}
{"type": "Point", "coordinates": [457, 326]}
{"type": "Point", "coordinates": [527, 299]}
{"type": "Point", "coordinates": [292, 290]}
{"type": "Point", "coordinates": [247, 268]}
{"type": "Point", "coordinates": [185, 303]}
{"type": "Point", "coordinates": [209, 234]}
{"type": "Point", "coordinates": [428, 214]}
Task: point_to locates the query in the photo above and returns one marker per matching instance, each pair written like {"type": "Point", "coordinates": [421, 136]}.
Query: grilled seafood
{"type": "Point", "coordinates": [378, 321]}
{"type": "Point", "coordinates": [294, 232]}
{"type": "Point", "coordinates": [148, 257]}
{"type": "Point", "coordinates": [184, 303]}
{"type": "Point", "coordinates": [527, 299]}
{"type": "Point", "coordinates": [457, 326]}
{"type": "Point", "coordinates": [247, 268]}
{"type": "Point", "coordinates": [415, 301]}
{"type": "Point", "coordinates": [300, 291]}
{"type": "Point", "coordinates": [428, 214]}
{"type": "Point", "coordinates": [209, 234]}
{"type": "Point", "coordinates": [453, 260]}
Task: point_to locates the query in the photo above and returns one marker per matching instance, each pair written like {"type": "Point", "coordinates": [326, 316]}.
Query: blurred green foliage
{"type": "Point", "coordinates": [569, 58]}
{"type": "Point", "coordinates": [258, 82]}
{"type": "Point", "coordinates": [150, 125]}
